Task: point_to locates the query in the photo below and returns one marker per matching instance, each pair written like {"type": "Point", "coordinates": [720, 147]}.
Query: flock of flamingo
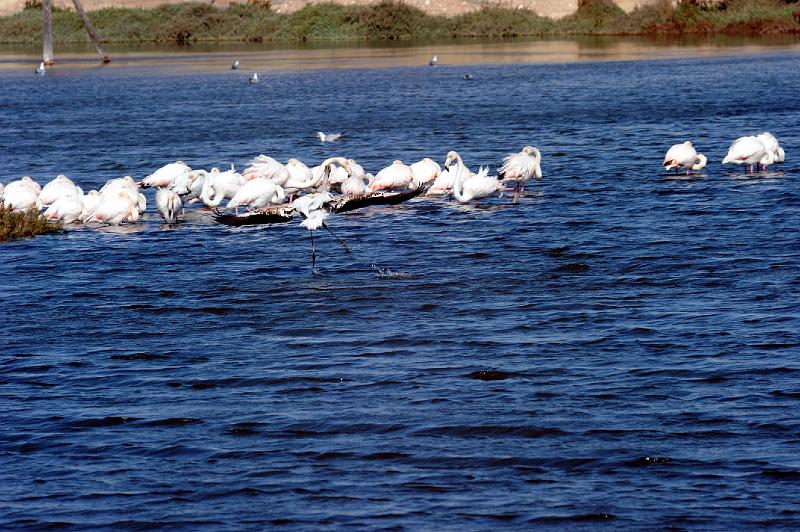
{"type": "Point", "coordinates": [271, 192]}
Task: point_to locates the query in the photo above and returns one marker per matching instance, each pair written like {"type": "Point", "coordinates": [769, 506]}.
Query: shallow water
{"type": "Point", "coordinates": [618, 348]}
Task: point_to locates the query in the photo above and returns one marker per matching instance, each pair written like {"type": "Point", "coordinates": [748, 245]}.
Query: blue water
{"type": "Point", "coordinates": [617, 349]}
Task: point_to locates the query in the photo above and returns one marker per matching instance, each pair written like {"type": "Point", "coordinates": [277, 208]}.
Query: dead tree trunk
{"type": "Point", "coordinates": [92, 34]}
{"type": "Point", "coordinates": [47, 32]}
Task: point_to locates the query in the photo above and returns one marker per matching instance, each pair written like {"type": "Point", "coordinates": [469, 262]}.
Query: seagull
{"type": "Point", "coordinates": [235, 65]}
{"type": "Point", "coordinates": [329, 137]}
{"type": "Point", "coordinates": [434, 61]}
{"type": "Point", "coordinates": [40, 69]}
{"type": "Point", "coordinates": [468, 77]}
{"type": "Point", "coordinates": [254, 78]}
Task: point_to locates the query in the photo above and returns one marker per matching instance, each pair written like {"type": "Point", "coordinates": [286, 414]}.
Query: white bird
{"type": "Point", "coordinates": [1, 190]}
{"type": "Point", "coordinates": [66, 209]}
{"type": "Point", "coordinates": [329, 137]}
{"type": "Point", "coordinates": [91, 201]}
{"type": "Point", "coordinates": [775, 153]}
{"type": "Point", "coordinates": [168, 203]}
{"type": "Point", "coordinates": [475, 187]}
{"type": "Point", "coordinates": [522, 166]}
{"type": "Point", "coordinates": [25, 181]}
{"type": "Point", "coordinates": [19, 196]}
{"type": "Point", "coordinates": [257, 193]}
{"type": "Point", "coordinates": [684, 156]}
{"type": "Point", "coordinates": [745, 150]}
{"type": "Point", "coordinates": [254, 78]}
{"type": "Point", "coordinates": [164, 176]}
{"type": "Point", "coordinates": [444, 183]}
{"type": "Point", "coordinates": [115, 209]}
{"type": "Point", "coordinates": [434, 61]}
{"type": "Point", "coordinates": [354, 185]}
{"type": "Point", "coordinates": [122, 186]}
{"type": "Point", "coordinates": [315, 209]}
{"type": "Point", "coordinates": [425, 171]}
{"type": "Point", "coordinates": [218, 186]}
{"type": "Point", "coordinates": [235, 65]}
{"type": "Point", "coordinates": [355, 168]}
{"type": "Point", "coordinates": [40, 69]}
{"type": "Point", "coordinates": [395, 176]}
{"type": "Point", "coordinates": [263, 166]}
{"type": "Point", "coordinates": [60, 186]}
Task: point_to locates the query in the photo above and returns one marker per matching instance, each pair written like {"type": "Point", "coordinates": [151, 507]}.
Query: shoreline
{"type": "Point", "coordinates": [257, 22]}
{"type": "Point", "coordinates": [210, 59]}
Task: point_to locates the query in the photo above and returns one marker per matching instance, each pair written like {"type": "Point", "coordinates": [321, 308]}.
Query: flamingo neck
{"type": "Point", "coordinates": [457, 191]}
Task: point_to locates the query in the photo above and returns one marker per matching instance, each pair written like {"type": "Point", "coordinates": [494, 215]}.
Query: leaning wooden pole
{"type": "Point", "coordinates": [47, 32]}
{"type": "Point", "coordinates": [92, 34]}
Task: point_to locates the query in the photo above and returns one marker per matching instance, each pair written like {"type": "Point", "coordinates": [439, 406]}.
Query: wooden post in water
{"type": "Point", "coordinates": [47, 32]}
{"type": "Point", "coordinates": [89, 28]}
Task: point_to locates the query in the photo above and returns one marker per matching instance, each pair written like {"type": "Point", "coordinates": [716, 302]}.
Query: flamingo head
{"type": "Point", "coordinates": [451, 157]}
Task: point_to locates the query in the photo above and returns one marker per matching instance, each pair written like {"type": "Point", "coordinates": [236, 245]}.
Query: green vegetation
{"type": "Point", "coordinates": [24, 224]}
{"type": "Point", "coordinates": [255, 21]}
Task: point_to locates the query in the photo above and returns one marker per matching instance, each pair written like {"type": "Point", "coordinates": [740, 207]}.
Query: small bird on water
{"type": "Point", "coordinates": [235, 65]}
{"type": "Point", "coordinates": [329, 137]}
{"type": "Point", "coordinates": [254, 78]}
{"type": "Point", "coordinates": [40, 69]}
{"type": "Point", "coordinates": [468, 77]}
{"type": "Point", "coordinates": [434, 61]}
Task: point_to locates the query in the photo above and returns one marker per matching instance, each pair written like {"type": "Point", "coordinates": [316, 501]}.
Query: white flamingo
{"type": "Point", "coordinates": [684, 156]}
{"type": "Point", "coordinates": [775, 153]}
{"type": "Point", "coordinates": [115, 209]}
{"type": "Point", "coordinates": [745, 151]}
{"type": "Point", "coordinates": [263, 166]}
{"type": "Point", "coordinates": [443, 184]}
{"type": "Point", "coordinates": [168, 203]}
{"type": "Point", "coordinates": [66, 209]}
{"type": "Point", "coordinates": [425, 171]}
{"type": "Point", "coordinates": [218, 186]}
{"type": "Point", "coordinates": [20, 197]}
{"type": "Point", "coordinates": [395, 176]}
{"type": "Point", "coordinates": [475, 187]}
{"type": "Point", "coordinates": [354, 185]}
{"type": "Point", "coordinates": [60, 186]}
{"type": "Point", "coordinates": [256, 194]}
{"type": "Point", "coordinates": [164, 176]}
{"type": "Point", "coordinates": [522, 166]}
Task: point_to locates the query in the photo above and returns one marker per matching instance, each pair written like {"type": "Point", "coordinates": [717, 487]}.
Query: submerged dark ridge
{"type": "Point", "coordinates": [482, 431]}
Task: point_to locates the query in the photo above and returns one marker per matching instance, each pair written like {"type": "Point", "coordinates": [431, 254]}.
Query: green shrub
{"type": "Point", "coordinates": [24, 224]}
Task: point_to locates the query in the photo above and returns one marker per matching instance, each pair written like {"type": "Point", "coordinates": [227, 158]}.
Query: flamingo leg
{"type": "Point", "coordinates": [313, 252]}
{"type": "Point", "coordinates": [342, 242]}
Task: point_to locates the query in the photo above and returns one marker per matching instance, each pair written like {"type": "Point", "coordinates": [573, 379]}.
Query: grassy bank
{"type": "Point", "coordinates": [257, 22]}
{"type": "Point", "coordinates": [24, 224]}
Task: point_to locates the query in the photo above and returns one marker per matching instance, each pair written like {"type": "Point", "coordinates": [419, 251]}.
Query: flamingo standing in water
{"type": "Point", "coordinates": [684, 156]}
{"type": "Point", "coordinates": [775, 153]}
{"type": "Point", "coordinates": [168, 203]}
{"type": "Point", "coordinates": [60, 186]}
{"type": "Point", "coordinates": [745, 151]}
{"type": "Point", "coordinates": [471, 187]}
{"type": "Point", "coordinates": [522, 166]}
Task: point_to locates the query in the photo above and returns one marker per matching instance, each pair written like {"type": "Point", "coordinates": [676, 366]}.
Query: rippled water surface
{"type": "Point", "coordinates": [618, 348]}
